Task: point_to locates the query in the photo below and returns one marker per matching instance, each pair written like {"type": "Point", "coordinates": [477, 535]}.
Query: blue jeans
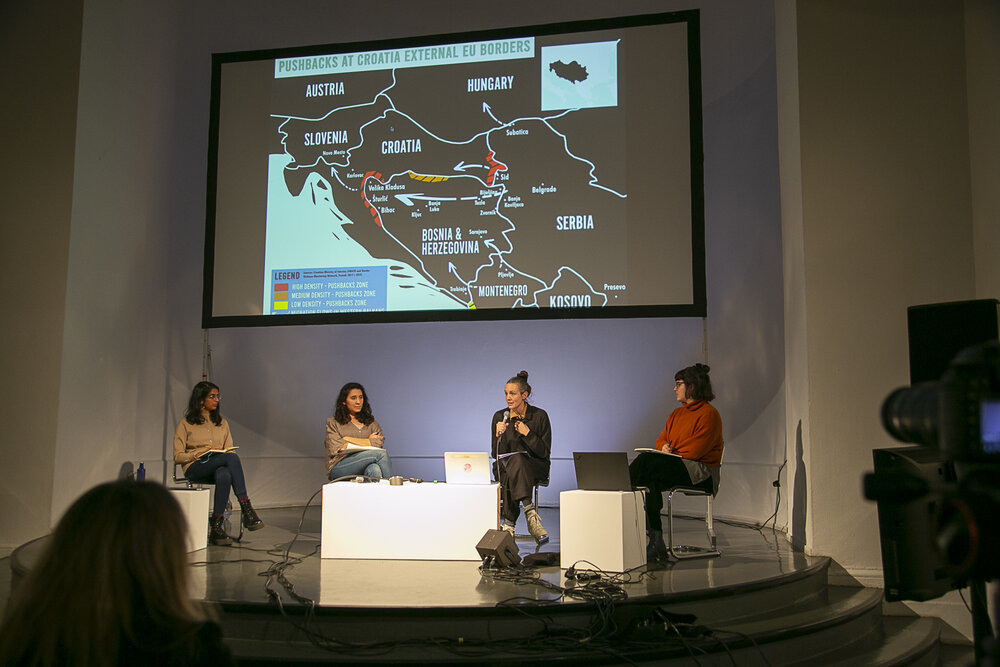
{"type": "Point", "coordinates": [226, 472]}
{"type": "Point", "coordinates": [373, 463]}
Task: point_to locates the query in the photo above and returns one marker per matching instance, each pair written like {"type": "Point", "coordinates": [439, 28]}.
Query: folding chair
{"type": "Point", "coordinates": [683, 551]}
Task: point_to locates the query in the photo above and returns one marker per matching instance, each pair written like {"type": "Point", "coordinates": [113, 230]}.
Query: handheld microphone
{"type": "Point", "coordinates": [506, 418]}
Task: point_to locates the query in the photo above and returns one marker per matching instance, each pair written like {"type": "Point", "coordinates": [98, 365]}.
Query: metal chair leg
{"type": "Point", "coordinates": [685, 551]}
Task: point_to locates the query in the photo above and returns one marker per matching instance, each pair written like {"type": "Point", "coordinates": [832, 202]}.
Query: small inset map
{"type": "Point", "coordinates": [572, 72]}
{"type": "Point", "coordinates": [579, 76]}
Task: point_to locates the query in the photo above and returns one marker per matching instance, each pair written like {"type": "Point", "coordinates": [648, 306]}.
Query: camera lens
{"type": "Point", "coordinates": [910, 414]}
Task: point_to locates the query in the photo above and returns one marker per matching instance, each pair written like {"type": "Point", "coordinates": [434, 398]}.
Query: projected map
{"type": "Point", "coordinates": [380, 197]}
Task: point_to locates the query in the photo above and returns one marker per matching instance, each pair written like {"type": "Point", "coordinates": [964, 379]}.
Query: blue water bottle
{"type": "Point", "coordinates": [140, 474]}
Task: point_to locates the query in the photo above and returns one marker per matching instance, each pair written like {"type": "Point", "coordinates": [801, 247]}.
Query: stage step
{"type": "Point", "coordinates": [760, 603]}
{"type": "Point", "coordinates": [904, 641]}
{"type": "Point", "coordinates": [795, 620]}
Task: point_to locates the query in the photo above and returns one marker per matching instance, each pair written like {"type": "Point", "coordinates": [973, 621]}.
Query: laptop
{"type": "Point", "coordinates": [602, 471]}
{"type": "Point", "coordinates": [467, 467]}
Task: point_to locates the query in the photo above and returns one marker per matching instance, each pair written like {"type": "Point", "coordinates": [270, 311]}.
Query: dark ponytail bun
{"type": "Point", "coordinates": [521, 380]}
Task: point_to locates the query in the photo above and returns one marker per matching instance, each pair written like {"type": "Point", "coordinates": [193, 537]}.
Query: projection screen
{"type": "Point", "coordinates": [542, 172]}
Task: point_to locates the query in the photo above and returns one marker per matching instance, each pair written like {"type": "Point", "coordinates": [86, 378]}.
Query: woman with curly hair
{"type": "Point", "coordinates": [354, 440]}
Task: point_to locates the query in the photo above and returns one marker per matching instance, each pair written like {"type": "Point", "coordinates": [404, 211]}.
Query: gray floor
{"type": "Point", "coordinates": [230, 574]}
{"type": "Point", "coordinates": [237, 574]}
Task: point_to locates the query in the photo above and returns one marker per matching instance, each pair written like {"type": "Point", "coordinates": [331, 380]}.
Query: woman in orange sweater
{"type": "Point", "coordinates": [693, 433]}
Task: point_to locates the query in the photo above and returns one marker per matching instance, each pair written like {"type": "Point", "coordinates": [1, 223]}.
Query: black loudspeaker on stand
{"type": "Point", "coordinates": [498, 549]}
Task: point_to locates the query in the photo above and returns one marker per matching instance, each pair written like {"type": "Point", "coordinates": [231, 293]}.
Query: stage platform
{"type": "Point", "coordinates": [761, 602]}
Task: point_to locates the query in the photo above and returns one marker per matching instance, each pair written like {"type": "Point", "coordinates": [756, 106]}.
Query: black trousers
{"type": "Point", "coordinates": [517, 475]}
{"type": "Point", "coordinates": [659, 473]}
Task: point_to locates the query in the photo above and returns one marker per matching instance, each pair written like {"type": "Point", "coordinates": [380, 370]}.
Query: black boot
{"type": "Point", "coordinates": [216, 533]}
{"type": "Point", "coordinates": [656, 550]}
{"type": "Point", "coordinates": [250, 519]}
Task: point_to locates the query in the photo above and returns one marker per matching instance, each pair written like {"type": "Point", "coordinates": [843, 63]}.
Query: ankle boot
{"type": "Point", "coordinates": [535, 527]}
{"type": "Point", "coordinates": [216, 533]}
{"type": "Point", "coordinates": [250, 519]}
{"type": "Point", "coordinates": [655, 548]}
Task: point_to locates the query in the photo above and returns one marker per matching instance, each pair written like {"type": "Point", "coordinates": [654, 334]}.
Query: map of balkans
{"type": "Point", "coordinates": [489, 203]}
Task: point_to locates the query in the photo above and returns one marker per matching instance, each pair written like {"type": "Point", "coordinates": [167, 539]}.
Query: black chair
{"type": "Point", "coordinates": [188, 484]}
{"type": "Point", "coordinates": [539, 483]}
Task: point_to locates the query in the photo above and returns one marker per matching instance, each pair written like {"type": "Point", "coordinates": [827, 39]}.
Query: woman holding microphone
{"type": "Point", "coordinates": [521, 445]}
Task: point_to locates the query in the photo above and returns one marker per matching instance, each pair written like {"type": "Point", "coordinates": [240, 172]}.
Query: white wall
{"type": "Point", "coordinates": [132, 282]}
{"type": "Point", "coordinates": [982, 56]}
{"type": "Point", "coordinates": [876, 174]}
{"type": "Point", "coordinates": [38, 129]}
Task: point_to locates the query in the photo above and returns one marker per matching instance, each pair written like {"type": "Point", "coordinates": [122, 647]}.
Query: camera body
{"type": "Point", "coordinates": [939, 503]}
{"type": "Point", "coordinates": [959, 414]}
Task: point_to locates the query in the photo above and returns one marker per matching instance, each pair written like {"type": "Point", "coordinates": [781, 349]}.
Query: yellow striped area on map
{"type": "Point", "coordinates": [427, 179]}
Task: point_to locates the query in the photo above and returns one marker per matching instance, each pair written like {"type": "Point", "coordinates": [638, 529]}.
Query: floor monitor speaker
{"type": "Point", "coordinates": [498, 547]}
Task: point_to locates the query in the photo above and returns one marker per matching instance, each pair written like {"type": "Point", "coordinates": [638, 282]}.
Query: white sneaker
{"type": "Point", "coordinates": [507, 528]}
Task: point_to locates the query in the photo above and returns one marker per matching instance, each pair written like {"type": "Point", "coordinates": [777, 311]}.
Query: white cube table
{"type": "Point", "coordinates": [605, 528]}
{"type": "Point", "coordinates": [425, 521]}
{"type": "Point", "coordinates": [194, 504]}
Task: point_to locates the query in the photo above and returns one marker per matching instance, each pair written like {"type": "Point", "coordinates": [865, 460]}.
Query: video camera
{"type": "Point", "coordinates": [939, 502]}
